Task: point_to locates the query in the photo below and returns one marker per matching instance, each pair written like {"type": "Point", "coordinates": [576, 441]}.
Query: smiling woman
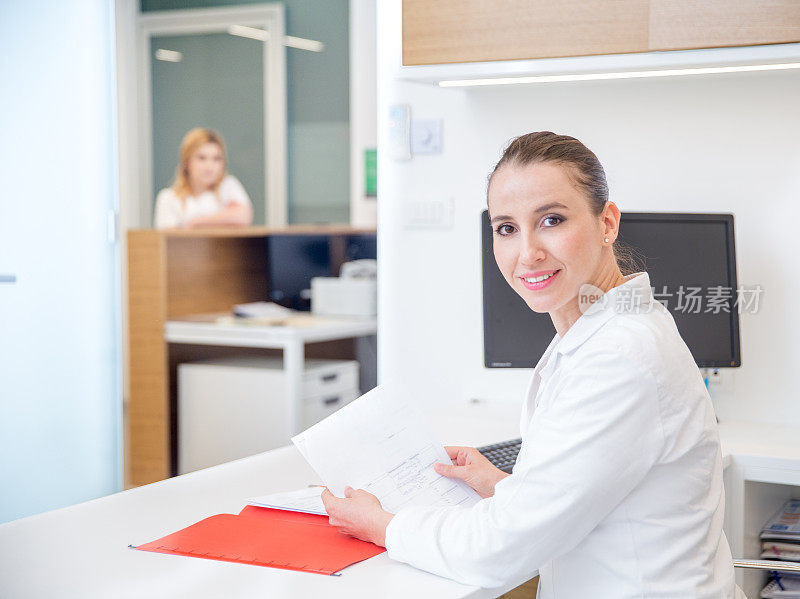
{"type": "Point", "coordinates": [617, 491]}
{"type": "Point", "coordinates": [544, 248]}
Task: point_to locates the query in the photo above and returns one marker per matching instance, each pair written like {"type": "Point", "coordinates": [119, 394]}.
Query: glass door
{"type": "Point", "coordinates": [223, 68]}
{"type": "Point", "coordinates": [213, 80]}
{"type": "Point", "coordinates": [60, 397]}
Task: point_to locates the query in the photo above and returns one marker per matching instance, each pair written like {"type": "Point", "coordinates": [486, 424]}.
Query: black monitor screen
{"type": "Point", "coordinates": [295, 259]}
{"type": "Point", "coordinates": [690, 259]}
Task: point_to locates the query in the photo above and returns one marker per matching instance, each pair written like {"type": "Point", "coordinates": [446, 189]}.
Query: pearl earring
{"type": "Point", "coordinates": [606, 239]}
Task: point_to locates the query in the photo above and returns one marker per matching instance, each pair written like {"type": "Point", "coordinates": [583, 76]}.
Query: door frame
{"type": "Point", "coordinates": [268, 16]}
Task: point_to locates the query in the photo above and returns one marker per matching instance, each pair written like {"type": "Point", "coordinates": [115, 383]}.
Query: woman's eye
{"type": "Point", "coordinates": [504, 230]}
{"type": "Point", "coordinates": [551, 221]}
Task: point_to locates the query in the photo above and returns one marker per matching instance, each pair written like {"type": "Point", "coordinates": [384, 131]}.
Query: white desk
{"type": "Point", "coordinates": [291, 338]}
{"type": "Point", "coordinates": [82, 551]}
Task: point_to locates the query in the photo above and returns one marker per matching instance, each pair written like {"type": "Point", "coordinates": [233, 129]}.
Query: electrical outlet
{"type": "Point", "coordinates": [714, 377]}
{"type": "Point", "coordinates": [429, 214]}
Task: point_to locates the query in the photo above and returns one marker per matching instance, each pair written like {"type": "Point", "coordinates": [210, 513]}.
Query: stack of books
{"type": "Point", "coordinates": [780, 537]}
{"type": "Point", "coordinates": [780, 540]}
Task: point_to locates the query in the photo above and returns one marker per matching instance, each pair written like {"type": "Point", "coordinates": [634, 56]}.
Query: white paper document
{"type": "Point", "coordinates": [305, 500]}
{"type": "Point", "coordinates": [379, 443]}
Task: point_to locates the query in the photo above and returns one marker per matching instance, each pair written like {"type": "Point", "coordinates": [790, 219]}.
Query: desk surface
{"type": "Point", "coordinates": [82, 551]}
{"type": "Point", "coordinates": [211, 329]}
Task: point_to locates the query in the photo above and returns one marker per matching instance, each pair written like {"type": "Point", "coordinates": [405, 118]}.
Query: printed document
{"type": "Point", "coordinates": [379, 443]}
{"type": "Point", "coordinates": [304, 500]}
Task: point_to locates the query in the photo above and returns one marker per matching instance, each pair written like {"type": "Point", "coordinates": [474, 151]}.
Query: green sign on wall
{"type": "Point", "coordinates": [371, 172]}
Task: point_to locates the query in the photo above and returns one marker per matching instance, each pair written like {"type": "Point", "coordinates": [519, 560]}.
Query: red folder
{"type": "Point", "coordinates": [267, 537]}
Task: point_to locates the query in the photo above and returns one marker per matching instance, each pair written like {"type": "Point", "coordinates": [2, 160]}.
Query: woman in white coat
{"type": "Point", "coordinates": [617, 491]}
{"type": "Point", "coordinates": [203, 193]}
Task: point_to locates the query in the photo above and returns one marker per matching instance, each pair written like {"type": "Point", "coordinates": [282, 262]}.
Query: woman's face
{"type": "Point", "coordinates": [206, 166]}
{"type": "Point", "coordinates": [543, 227]}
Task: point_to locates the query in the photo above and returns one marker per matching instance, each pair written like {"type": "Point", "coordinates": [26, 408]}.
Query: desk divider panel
{"type": "Point", "coordinates": [180, 273]}
{"type": "Point", "coordinates": [208, 274]}
{"type": "Point", "coordinates": [148, 416]}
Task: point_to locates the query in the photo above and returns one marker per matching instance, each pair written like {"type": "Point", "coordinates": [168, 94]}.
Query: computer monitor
{"type": "Point", "coordinates": [294, 259]}
{"type": "Point", "coordinates": [681, 252]}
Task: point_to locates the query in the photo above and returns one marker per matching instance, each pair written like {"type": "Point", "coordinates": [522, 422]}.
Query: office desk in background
{"type": "Point", "coordinates": [291, 338]}
{"type": "Point", "coordinates": [178, 273]}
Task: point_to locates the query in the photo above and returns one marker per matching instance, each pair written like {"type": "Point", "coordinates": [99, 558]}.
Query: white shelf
{"type": "Point", "coordinates": [711, 57]}
{"type": "Point", "coordinates": [764, 472]}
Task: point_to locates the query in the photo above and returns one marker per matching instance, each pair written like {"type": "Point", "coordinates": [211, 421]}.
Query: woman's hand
{"type": "Point", "coordinates": [359, 515]}
{"type": "Point", "coordinates": [234, 214]}
{"type": "Point", "coordinates": [471, 466]}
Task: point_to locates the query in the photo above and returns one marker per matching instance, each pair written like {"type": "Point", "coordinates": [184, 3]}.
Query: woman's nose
{"type": "Point", "coordinates": [531, 251]}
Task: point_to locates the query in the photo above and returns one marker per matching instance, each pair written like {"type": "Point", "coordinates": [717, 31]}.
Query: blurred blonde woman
{"type": "Point", "coordinates": [203, 194]}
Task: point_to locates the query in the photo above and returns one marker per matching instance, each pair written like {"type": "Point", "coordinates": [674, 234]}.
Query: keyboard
{"type": "Point", "coordinates": [503, 455]}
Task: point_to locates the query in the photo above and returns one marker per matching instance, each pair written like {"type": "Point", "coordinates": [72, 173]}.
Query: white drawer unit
{"type": "Point", "coordinates": [230, 408]}
{"type": "Point", "coordinates": [320, 407]}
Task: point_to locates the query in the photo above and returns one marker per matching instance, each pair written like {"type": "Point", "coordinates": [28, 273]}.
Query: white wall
{"type": "Point", "coordinates": [363, 100]}
{"type": "Point", "coordinates": [724, 143]}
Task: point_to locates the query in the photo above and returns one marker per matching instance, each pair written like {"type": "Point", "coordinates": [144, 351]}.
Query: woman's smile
{"type": "Point", "coordinates": [536, 281]}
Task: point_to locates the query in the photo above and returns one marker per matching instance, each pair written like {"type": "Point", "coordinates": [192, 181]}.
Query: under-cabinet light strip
{"type": "Point", "coordinates": [618, 75]}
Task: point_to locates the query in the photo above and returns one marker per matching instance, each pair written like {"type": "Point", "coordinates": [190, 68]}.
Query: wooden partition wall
{"type": "Point", "coordinates": [180, 273]}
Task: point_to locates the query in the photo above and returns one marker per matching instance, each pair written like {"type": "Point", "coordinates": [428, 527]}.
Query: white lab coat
{"type": "Point", "coordinates": [617, 491]}
{"type": "Point", "coordinates": [172, 212]}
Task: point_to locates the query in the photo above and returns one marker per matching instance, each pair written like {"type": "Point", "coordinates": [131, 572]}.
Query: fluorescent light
{"type": "Point", "coordinates": [252, 32]}
{"type": "Point", "coordinates": [168, 55]}
{"type": "Point", "coordinates": [619, 75]}
{"type": "Point", "coordinates": [303, 44]}
{"type": "Point", "coordinates": [261, 35]}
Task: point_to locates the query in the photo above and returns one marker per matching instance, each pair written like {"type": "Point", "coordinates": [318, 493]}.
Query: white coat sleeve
{"type": "Point", "coordinates": [231, 191]}
{"type": "Point", "coordinates": [167, 212]}
{"type": "Point", "coordinates": [580, 458]}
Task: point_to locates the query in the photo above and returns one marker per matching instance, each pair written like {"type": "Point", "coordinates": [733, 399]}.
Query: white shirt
{"type": "Point", "coordinates": [171, 212]}
{"type": "Point", "coordinates": [617, 491]}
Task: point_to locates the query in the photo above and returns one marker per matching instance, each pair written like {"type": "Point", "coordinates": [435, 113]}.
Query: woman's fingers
{"type": "Point", "coordinates": [452, 451]}
{"type": "Point", "coordinates": [331, 502]}
{"type": "Point", "coordinates": [450, 470]}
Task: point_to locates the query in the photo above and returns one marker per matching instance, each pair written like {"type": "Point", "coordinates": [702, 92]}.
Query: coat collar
{"type": "Point", "coordinates": [634, 294]}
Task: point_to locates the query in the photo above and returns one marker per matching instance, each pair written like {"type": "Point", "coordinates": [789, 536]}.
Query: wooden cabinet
{"type": "Point", "coordinates": [181, 273]}
{"type": "Point", "coordinates": [691, 24]}
{"type": "Point", "coordinates": [452, 31]}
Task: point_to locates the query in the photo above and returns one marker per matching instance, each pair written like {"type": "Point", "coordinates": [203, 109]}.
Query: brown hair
{"type": "Point", "coordinates": [191, 142]}
{"type": "Point", "coordinates": [586, 171]}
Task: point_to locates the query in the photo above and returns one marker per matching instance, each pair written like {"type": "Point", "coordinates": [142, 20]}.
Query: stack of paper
{"type": "Point", "coordinates": [261, 310]}
{"type": "Point", "coordinates": [784, 586]}
{"type": "Point", "coordinates": [307, 501]}
{"type": "Point", "coordinates": [379, 443]}
{"type": "Point", "coordinates": [780, 540]}
{"type": "Point", "coordinates": [780, 537]}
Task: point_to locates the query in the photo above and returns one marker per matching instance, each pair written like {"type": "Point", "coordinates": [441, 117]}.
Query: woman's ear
{"type": "Point", "coordinates": [611, 220]}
